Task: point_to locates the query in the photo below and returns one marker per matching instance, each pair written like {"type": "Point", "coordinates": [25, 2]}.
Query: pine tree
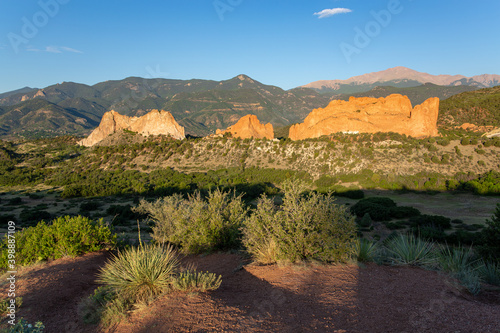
{"type": "Point", "coordinates": [490, 247]}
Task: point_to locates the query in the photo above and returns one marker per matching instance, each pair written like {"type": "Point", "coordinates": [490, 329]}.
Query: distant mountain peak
{"type": "Point", "coordinates": [403, 77]}
{"type": "Point", "coordinates": [243, 77]}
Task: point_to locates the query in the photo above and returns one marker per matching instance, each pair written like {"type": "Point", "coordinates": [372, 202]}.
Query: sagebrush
{"type": "Point", "coordinates": [304, 227]}
{"type": "Point", "coordinates": [196, 224]}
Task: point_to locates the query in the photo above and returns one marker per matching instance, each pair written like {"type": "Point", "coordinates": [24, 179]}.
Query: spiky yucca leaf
{"type": "Point", "coordinates": [489, 272]}
{"type": "Point", "coordinates": [409, 250]}
{"type": "Point", "coordinates": [366, 250]}
{"type": "Point", "coordinates": [455, 259]}
{"type": "Point", "coordinates": [140, 273]}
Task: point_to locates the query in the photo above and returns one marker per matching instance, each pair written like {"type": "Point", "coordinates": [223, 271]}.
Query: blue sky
{"type": "Point", "coordinates": [286, 43]}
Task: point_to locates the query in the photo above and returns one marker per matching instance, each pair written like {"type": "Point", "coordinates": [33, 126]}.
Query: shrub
{"type": "Point", "coordinates": [365, 221]}
{"type": "Point", "coordinates": [436, 221]}
{"type": "Point", "coordinates": [462, 237]}
{"type": "Point", "coordinates": [122, 214]}
{"type": "Point", "coordinates": [15, 201]}
{"type": "Point", "coordinates": [465, 142]}
{"type": "Point", "coordinates": [430, 232]}
{"type": "Point", "coordinates": [395, 225]}
{"type": "Point", "coordinates": [140, 273]}
{"type": "Point", "coordinates": [30, 217]}
{"type": "Point", "coordinates": [89, 206]}
{"type": "Point", "coordinates": [197, 225]}
{"type": "Point", "coordinates": [409, 250]}
{"type": "Point", "coordinates": [490, 238]}
{"type": "Point", "coordinates": [4, 304]}
{"type": "Point", "coordinates": [64, 236]}
{"type": "Point", "coordinates": [342, 191]}
{"type": "Point", "coordinates": [190, 280]}
{"type": "Point", "coordinates": [383, 201]}
{"type": "Point", "coordinates": [443, 142]}
{"type": "Point", "coordinates": [378, 208]}
{"type": "Point", "coordinates": [403, 212]}
{"type": "Point", "coordinates": [23, 326]}
{"type": "Point", "coordinates": [307, 227]}
{"type": "Point", "coordinates": [376, 212]}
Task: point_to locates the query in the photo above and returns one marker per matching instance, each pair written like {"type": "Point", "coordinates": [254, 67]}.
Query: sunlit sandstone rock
{"type": "Point", "coordinates": [153, 123]}
{"type": "Point", "coordinates": [370, 115]}
{"type": "Point", "coordinates": [250, 127]}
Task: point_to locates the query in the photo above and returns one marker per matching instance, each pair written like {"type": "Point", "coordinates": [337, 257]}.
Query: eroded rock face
{"type": "Point", "coordinates": [250, 127]}
{"type": "Point", "coordinates": [153, 123]}
{"type": "Point", "coordinates": [370, 115]}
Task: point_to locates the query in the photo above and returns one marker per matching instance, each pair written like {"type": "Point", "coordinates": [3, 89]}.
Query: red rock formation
{"type": "Point", "coordinates": [370, 115]}
{"type": "Point", "coordinates": [250, 127]}
{"type": "Point", "coordinates": [153, 123]}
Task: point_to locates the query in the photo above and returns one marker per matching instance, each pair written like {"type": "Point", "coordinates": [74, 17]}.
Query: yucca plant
{"type": "Point", "coordinates": [455, 259]}
{"type": "Point", "coordinates": [489, 272]}
{"type": "Point", "coordinates": [140, 273]}
{"type": "Point", "coordinates": [469, 279]}
{"type": "Point", "coordinates": [191, 280]}
{"type": "Point", "coordinates": [461, 264]}
{"type": "Point", "coordinates": [366, 250]}
{"type": "Point", "coordinates": [409, 250]}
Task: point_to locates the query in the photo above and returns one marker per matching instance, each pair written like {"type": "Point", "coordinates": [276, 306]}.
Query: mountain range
{"type": "Point", "coordinates": [400, 77]}
{"type": "Point", "coordinates": [202, 106]}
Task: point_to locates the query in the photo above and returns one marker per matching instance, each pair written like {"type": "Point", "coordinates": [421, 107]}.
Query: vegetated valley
{"type": "Point", "coordinates": [228, 205]}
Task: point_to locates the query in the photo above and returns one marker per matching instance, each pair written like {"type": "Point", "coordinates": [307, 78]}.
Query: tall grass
{"type": "Point", "coordinates": [409, 250]}
{"type": "Point", "coordinates": [139, 274]}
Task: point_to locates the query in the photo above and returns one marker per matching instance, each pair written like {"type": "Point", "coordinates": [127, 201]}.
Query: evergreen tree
{"type": "Point", "coordinates": [490, 247]}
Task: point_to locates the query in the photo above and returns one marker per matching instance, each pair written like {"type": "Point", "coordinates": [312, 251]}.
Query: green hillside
{"type": "Point", "coordinates": [41, 116]}
{"type": "Point", "coordinates": [480, 107]}
{"type": "Point", "coordinates": [201, 106]}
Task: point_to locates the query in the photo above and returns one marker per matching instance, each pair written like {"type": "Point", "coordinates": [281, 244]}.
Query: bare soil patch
{"type": "Point", "coordinates": [329, 298]}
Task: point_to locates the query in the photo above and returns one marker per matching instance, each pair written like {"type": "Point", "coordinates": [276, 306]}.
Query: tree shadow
{"type": "Point", "coordinates": [49, 292]}
{"type": "Point", "coordinates": [266, 299]}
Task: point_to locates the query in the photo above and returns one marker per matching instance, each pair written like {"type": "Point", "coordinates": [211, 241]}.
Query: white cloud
{"type": "Point", "coordinates": [52, 49]}
{"type": "Point", "coordinates": [69, 49]}
{"type": "Point", "coordinates": [61, 49]}
{"type": "Point", "coordinates": [330, 12]}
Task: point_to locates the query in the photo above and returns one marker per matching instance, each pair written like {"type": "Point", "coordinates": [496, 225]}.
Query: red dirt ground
{"type": "Point", "coordinates": [331, 298]}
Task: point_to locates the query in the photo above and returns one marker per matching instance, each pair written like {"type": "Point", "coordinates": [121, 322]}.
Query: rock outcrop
{"type": "Point", "coordinates": [370, 115]}
{"type": "Point", "coordinates": [153, 123]}
{"type": "Point", "coordinates": [249, 127]}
